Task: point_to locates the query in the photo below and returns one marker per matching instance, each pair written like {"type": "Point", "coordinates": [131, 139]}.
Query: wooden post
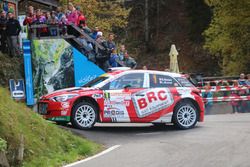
{"type": "Point", "coordinates": [21, 149]}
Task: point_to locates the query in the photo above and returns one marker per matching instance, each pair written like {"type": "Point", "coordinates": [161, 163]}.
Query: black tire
{"type": "Point", "coordinates": [84, 115]}
{"type": "Point", "coordinates": [62, 123]}
{"type": "Point", "coordinates": [185, 115]}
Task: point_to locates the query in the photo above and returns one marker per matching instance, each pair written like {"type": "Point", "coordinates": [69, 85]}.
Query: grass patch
{"type": "Point", "coordinates": [44, 143]}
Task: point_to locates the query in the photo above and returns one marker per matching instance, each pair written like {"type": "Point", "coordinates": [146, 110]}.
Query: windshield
{"type": "Point", "coordinates": [95, 81]}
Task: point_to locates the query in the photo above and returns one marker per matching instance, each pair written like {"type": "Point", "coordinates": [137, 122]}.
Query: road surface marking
{"type": "Point", "coordinates": [95, 156]}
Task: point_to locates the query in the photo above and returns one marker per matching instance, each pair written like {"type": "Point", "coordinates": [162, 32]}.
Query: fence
{"type": "Point", "coordinates": [231, 98]}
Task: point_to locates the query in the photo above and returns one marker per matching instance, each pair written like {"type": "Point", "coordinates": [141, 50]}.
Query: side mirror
{"type": "Point", "coordinates": [127, 86]}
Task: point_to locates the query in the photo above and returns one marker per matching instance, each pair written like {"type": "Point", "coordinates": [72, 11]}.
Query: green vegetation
{"type": "Point", "coordinates": [10, 68]}
{"type": "Point", "coordinates": [44, 143]}
{"type": "Point", "coordinates": [228, 34]}
{"type": "Point", "coordinates": [3, 145]}
{"type": "Point", "coordinates": [109, 16]}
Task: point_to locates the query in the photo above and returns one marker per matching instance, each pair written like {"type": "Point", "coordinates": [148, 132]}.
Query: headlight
{"type": "Point", "coordinates": [63, 98]}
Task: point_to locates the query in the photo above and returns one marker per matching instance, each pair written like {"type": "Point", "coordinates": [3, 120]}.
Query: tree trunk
{"type": "Point", "coordinates": [146, 22]}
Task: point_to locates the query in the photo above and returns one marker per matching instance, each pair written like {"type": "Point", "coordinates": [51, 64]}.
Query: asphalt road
{"type": "Point", "coordinates": [221, 141]}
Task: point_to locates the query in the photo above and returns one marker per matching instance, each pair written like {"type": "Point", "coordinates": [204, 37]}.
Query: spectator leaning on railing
{"type": "Point", "coordinates": [30, 17]}
{"type": "Point", "coordinates": [72, 16]}
{"type": "Point", "coordinates": [242, 82]}
{"type": "Point", "coordinates": [60, 20]}
{"type": "Point", "coordinates": [209, 102]}
{"type": "Point", "coordinates": [53, 20]}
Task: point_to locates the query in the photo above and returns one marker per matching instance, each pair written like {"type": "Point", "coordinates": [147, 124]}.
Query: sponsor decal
{"type": "Point", "coordinates": [63, 118]}
{"type": "Point", "coordinates": [65, 105]}
{"type": "Point", "coordinates": [97, 96]}
{"type": "Point", "coordinates": [165, 81]}
{"type": "Point", "coordinates": [127, 103]}
{"type": "Point", "coordinates": [113, 113]}
{"type": "Point", "coordinates": [106, 95]}
{"type": "Point", "coordinates": [63, 112]}
{"type": "Point", "coordinates": [115, 103]}
{"type": "Point", "coordinates": [185, 92]}
{"type": "Point", "coordinates": [151, 101]}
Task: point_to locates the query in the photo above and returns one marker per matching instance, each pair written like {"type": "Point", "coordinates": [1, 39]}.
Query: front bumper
{"type": "Point", "coordinates": [55, 111]}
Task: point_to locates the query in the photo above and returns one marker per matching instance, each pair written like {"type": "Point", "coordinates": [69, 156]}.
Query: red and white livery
{"type": "Point", "coordinates": [136, 96]}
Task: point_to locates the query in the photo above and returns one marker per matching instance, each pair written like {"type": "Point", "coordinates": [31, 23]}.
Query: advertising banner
{"type": "Point", "coordinates": [53, 66]}
{"type": "Point", "coordinates": [85, 70]}
{"type": "Point", "coordinates": [58, 65]}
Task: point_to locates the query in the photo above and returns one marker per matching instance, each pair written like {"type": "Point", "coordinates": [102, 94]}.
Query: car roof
{"type": "Point", "coordinates": [146, 71]}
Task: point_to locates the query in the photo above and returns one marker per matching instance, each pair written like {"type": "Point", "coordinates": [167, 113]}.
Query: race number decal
{"type": "Point", "coordinates": [150, 101]}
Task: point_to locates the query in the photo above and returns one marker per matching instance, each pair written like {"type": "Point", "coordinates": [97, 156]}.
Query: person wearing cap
{"type": "Point", "coordinates": [99, 38]}
{"type": "Point", "coordinates": [3, 21]}
{"type": "Point", "coordinates": [13, 29]}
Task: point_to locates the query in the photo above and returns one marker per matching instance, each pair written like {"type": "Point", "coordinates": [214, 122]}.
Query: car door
{"type": "Point", "coordinates": [154, 103]}
{"type": "Point", "coordinates": [117, 95]}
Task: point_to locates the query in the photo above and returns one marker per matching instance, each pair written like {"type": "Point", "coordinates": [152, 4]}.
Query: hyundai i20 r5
{"type": "Point", "coordinates": [136, 96]}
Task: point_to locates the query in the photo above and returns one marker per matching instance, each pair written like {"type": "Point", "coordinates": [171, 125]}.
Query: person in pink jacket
{"type": "Point", "coordinates": [72, 16]}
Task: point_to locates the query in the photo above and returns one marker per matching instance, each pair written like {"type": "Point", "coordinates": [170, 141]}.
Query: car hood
{"type": "Point", "coordinates": [73, 90]}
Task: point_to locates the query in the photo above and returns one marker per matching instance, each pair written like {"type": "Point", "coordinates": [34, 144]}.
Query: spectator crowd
{"type": "Point", "coordinates": [111, 56]}
{"type": "Point", "coordinates": [238, 106]}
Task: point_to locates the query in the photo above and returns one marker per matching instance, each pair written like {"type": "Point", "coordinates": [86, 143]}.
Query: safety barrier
{"type": "Point", "coordinates": [230, 91]}
{"type": "Point", "coordinates": [224, 88]}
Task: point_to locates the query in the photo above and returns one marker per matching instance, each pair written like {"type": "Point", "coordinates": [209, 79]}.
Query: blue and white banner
{"type": "Point", "coordinates": [85, 70]}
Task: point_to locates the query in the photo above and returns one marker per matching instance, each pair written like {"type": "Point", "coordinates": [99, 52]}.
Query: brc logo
{"type": "Point", "coordinates": [150, 101]}
{"type": "Point", "coordinates": [151, 97]}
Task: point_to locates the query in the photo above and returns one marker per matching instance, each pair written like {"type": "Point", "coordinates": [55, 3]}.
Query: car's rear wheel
{"type": "Point", "coordinates": [84, 115]}
{"type": "Point", "coordinates": [185, 115]}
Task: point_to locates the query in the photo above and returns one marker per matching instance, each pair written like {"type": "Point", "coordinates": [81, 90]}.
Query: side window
{"type": "Point", "coordinates": [134, 80]}
{"type": "Point", "coordinates": [162, 81]}
{"type": "Point", "coordinates": [185, 82]}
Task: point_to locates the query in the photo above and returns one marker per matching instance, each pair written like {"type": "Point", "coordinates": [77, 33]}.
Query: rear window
{"type": "Point", "coordinates": [184, 82]}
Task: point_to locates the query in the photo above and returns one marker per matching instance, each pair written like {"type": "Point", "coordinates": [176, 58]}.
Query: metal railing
{"type": "Point", "coordinates": [62, 31]}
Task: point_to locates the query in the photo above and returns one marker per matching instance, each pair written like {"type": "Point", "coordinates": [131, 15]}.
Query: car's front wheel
{"type": "Point", "coordinates": [185, 115]}
{"type": "Point", "coordinates": [84, 115]}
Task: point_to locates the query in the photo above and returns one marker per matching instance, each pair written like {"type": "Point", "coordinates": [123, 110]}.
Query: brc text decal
{"type": "Point", "coordinates": [150, 101]}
